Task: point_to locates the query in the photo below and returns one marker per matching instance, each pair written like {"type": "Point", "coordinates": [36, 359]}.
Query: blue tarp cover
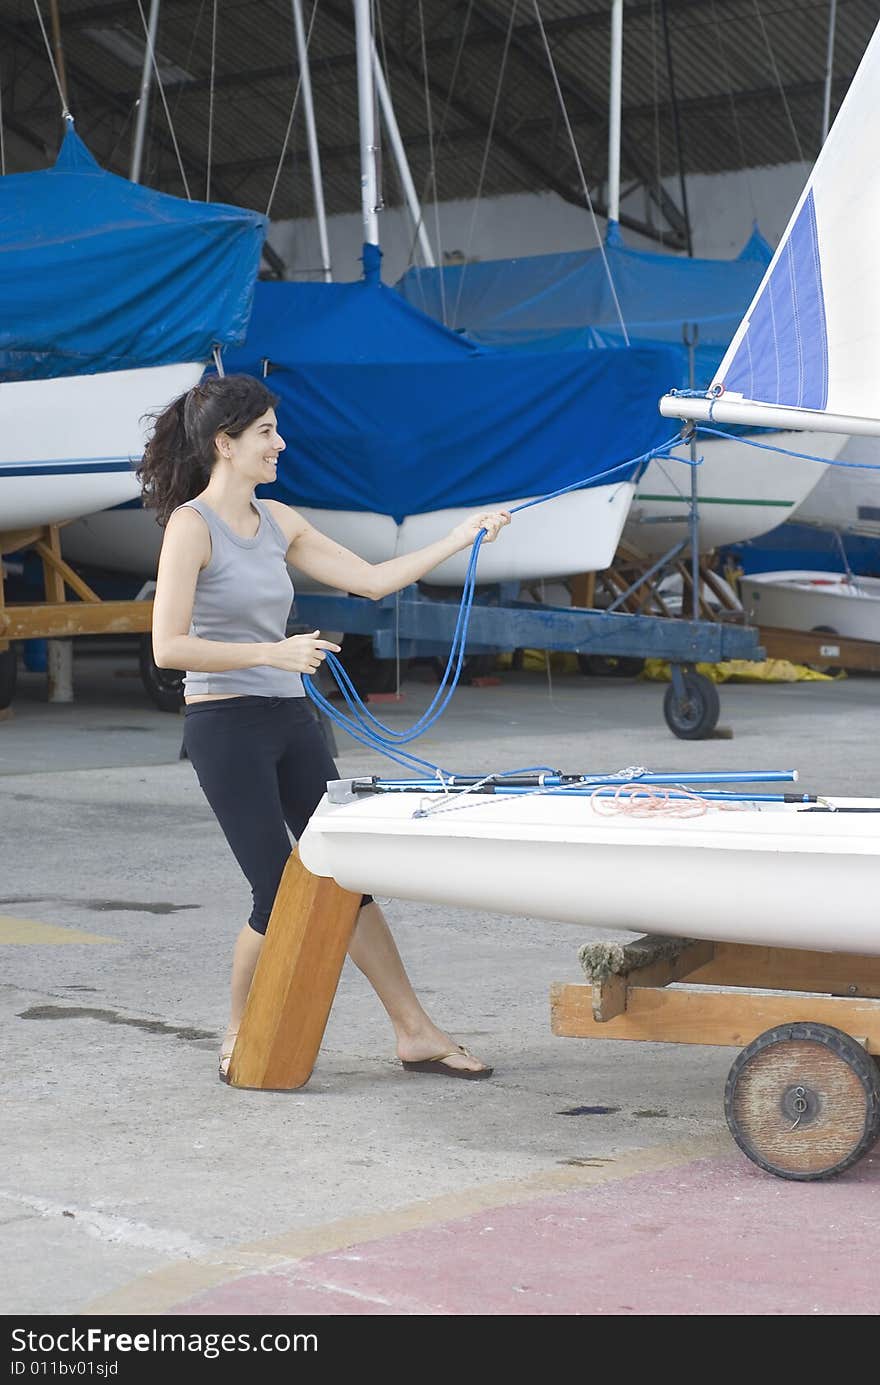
{"type": "Point", "coordinates": [97, 273]}
{"type": "Point", "coordinates": [564, 301]}
{"type": "Point", "coordinates": [385, 410]}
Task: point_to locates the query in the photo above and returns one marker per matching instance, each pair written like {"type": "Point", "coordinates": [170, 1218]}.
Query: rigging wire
{"type": "Point", "coordinates": [444, 115]}
{"type": "Point", "coordinates": [772, 57]}
{"type": "Point", "coordinates": [161, 87]}
{"type": "Point", "coordinates": [65, 112]}
{"type": "Point", "coordinates": [482, 178]}
{"type": "Point", "coordinates": [658, 162]}
{"type": "Point", "coordinates": [211, 101]}
{"type": "Point", "coordinates": [725, 66]}
{"type": "Point", "coordinates": [676, 125]}
{"type": "Point", "coordinates": [580, 169]}
{"type": "Point", "coordinates": [293, 107]}
{"type": "Point", "coordinates": [433, 161]}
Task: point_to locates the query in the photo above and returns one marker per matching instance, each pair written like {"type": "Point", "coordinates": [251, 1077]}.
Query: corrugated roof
{"type": "Point", "coordinates": [748, 78]}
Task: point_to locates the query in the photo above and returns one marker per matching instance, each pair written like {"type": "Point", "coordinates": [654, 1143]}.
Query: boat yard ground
{"type": "Point", "coordinates": [584, 1178]}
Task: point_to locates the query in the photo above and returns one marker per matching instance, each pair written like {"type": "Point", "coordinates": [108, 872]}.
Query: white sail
{"type": "Point", "coordinates": [807, 353]}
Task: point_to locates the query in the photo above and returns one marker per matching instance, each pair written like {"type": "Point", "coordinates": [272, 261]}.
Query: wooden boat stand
{"type": "Point", "coordinates": [803, 1098]}
{"type": "Point", "coordinates": [56, 617]}
{"type": "Point", "coordinates": [289, 1002]}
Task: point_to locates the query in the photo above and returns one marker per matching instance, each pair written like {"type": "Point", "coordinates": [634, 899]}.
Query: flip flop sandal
{"type": "Point", "coordinates": [441, 1068]}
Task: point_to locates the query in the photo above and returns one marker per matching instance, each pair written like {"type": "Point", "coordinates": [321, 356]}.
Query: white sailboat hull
{"type": "Point", "coordinates": [573, 533]}
{"type": "Point", "coordinates": [778, 876]}
{"type": "Point", "coordinates": [743, 491]}
{"type": "Point", "coordinates": [68, 445]}
{"type": "Point", "coordinates": [848, 497]}
{"type": "Point", "coordinates": [805, 600]}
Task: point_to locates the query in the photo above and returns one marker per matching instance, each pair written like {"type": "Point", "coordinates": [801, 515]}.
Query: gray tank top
{"type": "Point", "coordinates": [243, 596]}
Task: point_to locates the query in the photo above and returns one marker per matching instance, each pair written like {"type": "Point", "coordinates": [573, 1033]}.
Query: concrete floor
{"type": "Point", "coordinates": [584, 1178]}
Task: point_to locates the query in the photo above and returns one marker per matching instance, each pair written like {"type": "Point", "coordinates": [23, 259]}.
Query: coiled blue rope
{"type": "Point", "coordinates": [360, 723]}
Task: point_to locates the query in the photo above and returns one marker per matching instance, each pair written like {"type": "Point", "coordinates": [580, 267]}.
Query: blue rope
{"type": "Point", "coordinates": [769, 447]}
{"type": "Point", "coordinates": [369, 730]}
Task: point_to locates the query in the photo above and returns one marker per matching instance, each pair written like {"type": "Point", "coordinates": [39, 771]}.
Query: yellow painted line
{"type": "Point", "coordinates": [163, 1289]}
{"type": "Point", "coordinates": [14, 930]}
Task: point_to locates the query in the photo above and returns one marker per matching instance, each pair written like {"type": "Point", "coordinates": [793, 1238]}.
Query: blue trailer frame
{"type": "Point", "coordinates": [411, 625]}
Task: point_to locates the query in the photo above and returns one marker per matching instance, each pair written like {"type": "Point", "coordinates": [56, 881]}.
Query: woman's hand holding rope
{"type": "Point", "coordinates": [301, 653]}
{"type": "Point", "coordinates": [493, 521]}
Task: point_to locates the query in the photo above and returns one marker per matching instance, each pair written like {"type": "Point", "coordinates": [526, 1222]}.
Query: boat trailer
{"type": "Point", "coordinates": [410, 625]}
{"type": "Point", "coordinates": [802, 1099]}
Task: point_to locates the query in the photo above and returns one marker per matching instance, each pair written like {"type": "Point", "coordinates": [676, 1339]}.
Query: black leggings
{"type": "Point", "coordinates": [263, 765]}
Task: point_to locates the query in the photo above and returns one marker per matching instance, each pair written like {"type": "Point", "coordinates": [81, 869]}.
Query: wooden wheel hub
{"type": "Point", "coordinates": [803, 1101]}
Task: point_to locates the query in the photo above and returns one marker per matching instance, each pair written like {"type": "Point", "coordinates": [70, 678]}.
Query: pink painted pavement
{"type": "Point", "coordinates": [715, 1236]}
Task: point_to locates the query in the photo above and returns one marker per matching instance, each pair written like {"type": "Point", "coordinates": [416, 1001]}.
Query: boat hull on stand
{"type": "Point", "coordinates": [68, 446]}
{"type": "Point", "coordinates": [769, 876]}
{"type": "Point", "coordinates": [807, 600]}
{"type": "Point", "coordinates": [573, 533]}
{"type": "Point", "coordinates": [742, 491]}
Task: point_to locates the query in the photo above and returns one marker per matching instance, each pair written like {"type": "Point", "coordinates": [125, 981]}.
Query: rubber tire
{"type": "Point", "coordinates": [696, 718]}
{"type": "Point", "coordinates": [367, 673]}
{"type": "Point", "coordinates": [8, 676]}
{"type": "Point", "coordinates": [844, 1047]}
{"type": "Point", "coordinates": [164, 686]}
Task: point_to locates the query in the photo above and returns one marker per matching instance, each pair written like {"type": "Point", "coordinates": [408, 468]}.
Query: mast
{"type": "Point", "coordinates": [144, 98]}
{"type": "Point", "coordinates": [399, 152]}
{"type": "Point", "coordinates": [829, 69]}
{"type": "Point", "coordinates": [614, 104]}
{"type": "Point", "coordinates": [367, 121]}
{"type": "Point", "coordinates": [302, 51]}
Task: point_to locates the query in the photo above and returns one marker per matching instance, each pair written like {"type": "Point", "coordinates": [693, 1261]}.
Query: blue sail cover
{"type": "Point", "coordinates": [99, 274]}
{"type": "Point", "coordinates": [564, 302]}
{"type": "Point", "coordinates": [384, 410]}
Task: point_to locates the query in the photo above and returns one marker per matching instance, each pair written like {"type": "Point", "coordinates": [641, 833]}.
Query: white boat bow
{"type": "Point", "coordinates": [780, 875]}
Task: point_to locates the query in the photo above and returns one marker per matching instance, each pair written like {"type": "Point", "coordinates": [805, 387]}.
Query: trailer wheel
{"type": "Point", "coordinates": [8, 675]}
{"type": "Point", "coordinates": [368, 673]}
{"type": "Point", "coordinates": [803, 1101]}
{"type": "Point", "coordinates": [694, 716]}
{"type": "Point", "coordinates": [164, 686]}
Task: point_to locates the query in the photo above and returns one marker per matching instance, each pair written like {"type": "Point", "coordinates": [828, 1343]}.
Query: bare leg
{"type": "Point", "coordinates": [374, 951]}
{"type": "Point", "coordinates": [246, 954]}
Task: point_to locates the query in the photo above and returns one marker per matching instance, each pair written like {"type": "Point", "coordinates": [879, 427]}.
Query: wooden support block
{"type": "Point", "coordinates": [790, 969]}
{"type": "Point", "coordinates": [11, 540]}
{"type": "Point", "coordinates": [64, 573]}
{"type": "Point", "coordinates": [650, 960]}
{"type": "Point", "coordinates": [583, 589]}
{"type": "Point", "coordinates": [57, 620]}
{"type": "Point", "coordinates": [609, 998]}
{"type": "Point", "coordinates": [289, 1002]}
{"type": "Point", "coordinates": [49, 549]}
{"type": "Point", "coordinates": [693, 1016]}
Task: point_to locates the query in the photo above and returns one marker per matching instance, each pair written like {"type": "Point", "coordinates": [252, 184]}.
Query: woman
{"type": "Point", "coordinates": [223, 596]}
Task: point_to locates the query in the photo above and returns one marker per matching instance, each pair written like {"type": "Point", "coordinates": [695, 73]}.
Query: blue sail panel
{"type": "Point", "coordinates": [783, 355]}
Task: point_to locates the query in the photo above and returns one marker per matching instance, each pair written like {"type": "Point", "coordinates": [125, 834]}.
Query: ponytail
{"type": "Point", "coordinates": [180, 454]}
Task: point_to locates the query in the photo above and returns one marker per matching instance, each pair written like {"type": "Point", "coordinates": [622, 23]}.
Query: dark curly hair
{"type": "Point", "coordinates": [180, 454]}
